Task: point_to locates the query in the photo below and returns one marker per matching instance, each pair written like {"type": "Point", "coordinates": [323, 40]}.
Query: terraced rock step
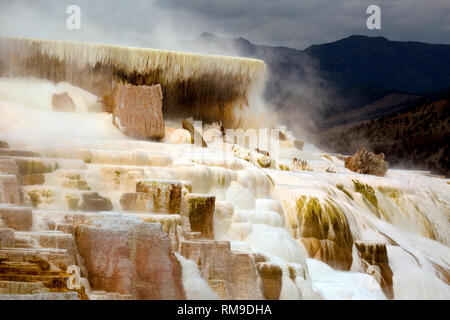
{"type": "Point", "coordinates": [165, 194]}
{"type": "Point", "coordinates": [18, 153]}
{"type": "Point", "coordinates": [14, 287]}
{"type": "Point", "coordinates": [271, 276]}
{"type": "Point", "coordinates": [35, 165]}
{"type": "Point", "coordinates": [6, 237]}
{"type": "Point", "coordinates": [376, 263]}
{"type": "Point", "coordinates": [198, 212]}
{"type": "Point", "coordinates": [33, 179]}
{"type": "Point", "coordinates": [31, 270]}
{"type": "Point", "coordinates": [131, 258]}
{"type": "Point", "coordinates": [48, 239]}
{"type": "Point", "coordinates": [9, 189]}
{"type": "Point", "coordinates": [70, 221]}
{"type": "Point", "coordinates": [4, 144]}
{"type": "Point", "coordinates": [137, 201]}
{"type": "Point", "coordinates": [8, 166]}
{"type": "Point", "coordinates": [58, 258]}
{"type": "Point", "coordinates": [18, 218]}
{"type": "Point", "coordinates": [32, 263]}
{"type": "Point", "coordinates": [231, 274]}
{"type": "Point", "coordinates": [45, 181]}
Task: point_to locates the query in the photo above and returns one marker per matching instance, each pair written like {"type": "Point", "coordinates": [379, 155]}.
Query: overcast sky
{"type": "Point", "coordinates": [160, 23]}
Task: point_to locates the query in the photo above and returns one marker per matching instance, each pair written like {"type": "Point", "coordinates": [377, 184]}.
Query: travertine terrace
{"type": "Point", "coordinates": [168, 219]}
{"type": "Point", "coordinates": [207, 87]}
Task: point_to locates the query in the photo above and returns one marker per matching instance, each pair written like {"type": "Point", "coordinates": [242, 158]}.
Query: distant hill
{"type": "Point", "coordinates": [413, 67]}
{"type": "Point", "coordinates": [415, 138]}
{"type": "Point", "coordinates": [391, 103]}
{"type": "Point", "coordinates": [326, 80]}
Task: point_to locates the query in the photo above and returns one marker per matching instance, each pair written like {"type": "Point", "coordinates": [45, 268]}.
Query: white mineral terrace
{"type": "Point", "coordinates": [257, 209]}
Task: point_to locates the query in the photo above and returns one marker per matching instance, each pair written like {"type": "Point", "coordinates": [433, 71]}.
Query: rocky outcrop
{"type": "Point", "coordinates": [6, 237]}
{"type": "Point", "coordinates": [300, 164]}
{"type": "Point", "coordinates": [132, 259]}
{"type": "Point", "coordinates": [298, 144]}
{"type": "Point", "coordinates": [137, 110]}
{"type": "Point", "coordinates": [3, 144]}
{"type": "Point", "coordinates": [282, 136]}
{"type": "Point", "coordinates": [329, 252]}
{"type": "Point", "coordinates": [198, 211]}
{"type": "Point", "coordinates": [92, 201]}
{"type": "Point", "coordinates": [231, 275]}
{"type": "Point", "coordinates": [263, 152]}
{"type": "Point", "coordinates": [73, 181]}
{"type": "Point", "coordinates": [35, 166]}
{"type": "Point", "coordinates": [271, 276]}
{"type": "Point", "coordinates": [164, 195]}
{"type": "Point", "coordinates": [376, 263]}
{"type": "Point", "coordinates": [245, 278]}
{"type": "Point", "coordinates": [34, 264]}
{"type": "Point", "coordinates": [33, 179]}
{"type": "Point", "coordinates": [367, 162]}
{"type": "Point", "coordinates": [136, 201]}
{"type": "Point", "coordinates": [325, 231]}
{"type": "Point", "coordinates": [8, 166]}
{"type": "Point", "coordinates": [62, 102]}
{"type": "Point", "coordinates": [9, 189]}
{"type": "Point", "coordinates": [16, 217]}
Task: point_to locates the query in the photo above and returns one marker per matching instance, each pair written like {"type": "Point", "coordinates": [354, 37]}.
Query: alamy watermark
{"type": "Point", "coordinates": [264, 140]}
{"type": "Point", "coordinates": [74, 280]}
{"type": "Point", "coordinates": [73, 22]}
{"type": "Point", "coordinates": [374, 20]}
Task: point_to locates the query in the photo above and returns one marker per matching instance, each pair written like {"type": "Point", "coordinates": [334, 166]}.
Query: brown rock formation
{"type": "Point", "coordinates": [367, 162]}
{"type": "Point", "coordinates": [271, 275]}
{"type": "Point", "coordinates": [9, 189]}
{"type": "Point", "coordinates": [245, 277]}
{"type": "Point", "coordinates": [134, 259]}
{"type": "Point", "coordinates": [63, 102]}
{"type": "Point", "coordinates": [34, 166]}
{"type": "Point", "coordinates": [300, 164]}
{"type": "Point", "coordinates": [199, 209]}
{"type": "Point", "coordinates": [6, 237]}
{"type": "Point", "coordinates": [18, 153]}
{"type": "Point", "coordinates": [136, 201]}
{"type": "Point", "coordinates": [209, 87]}
{"type": "Point", "coordinates": [324, 231]}
{"type": "Point", "coordinates": [282, 136]}
{"type": "Point", "coordinates": [298, 144]}
{"type": "Point", "coordinates": [16, 218]}
{"type": "Point", "coordinates": [8, 166]}
{"type": "Point", "coordinates": [165, 195]}
{"type": "Point", "coordinates": [329, 252]}
{"type": "Point", "coordinates": [231, 275]}
{"type": "Point", "coordinates": [212, 257]}
{"type": "Point", "coordinates": [33, 265]}
{"type": "Point", "coordinates": [374, 254]}
{"type": "Point", "coordinates": [33, 179]}
{"type": "Point", "coordinates": [138, 109]}
{"type": "Point", "coordinates": [263, 152]}
{"type": "Point", "coordinates": [3, 144]}
{"type": "Point", "coordinates": [92, 201]}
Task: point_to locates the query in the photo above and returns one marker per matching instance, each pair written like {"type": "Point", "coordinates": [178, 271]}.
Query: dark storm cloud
{"type": "Point", "coordinates": [291, 23]}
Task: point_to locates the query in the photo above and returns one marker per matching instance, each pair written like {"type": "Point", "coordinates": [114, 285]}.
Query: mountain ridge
{"type": "Point", "coordinates": [340, 76]}
{"type": "Point", "coordinates": [360, 90]}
